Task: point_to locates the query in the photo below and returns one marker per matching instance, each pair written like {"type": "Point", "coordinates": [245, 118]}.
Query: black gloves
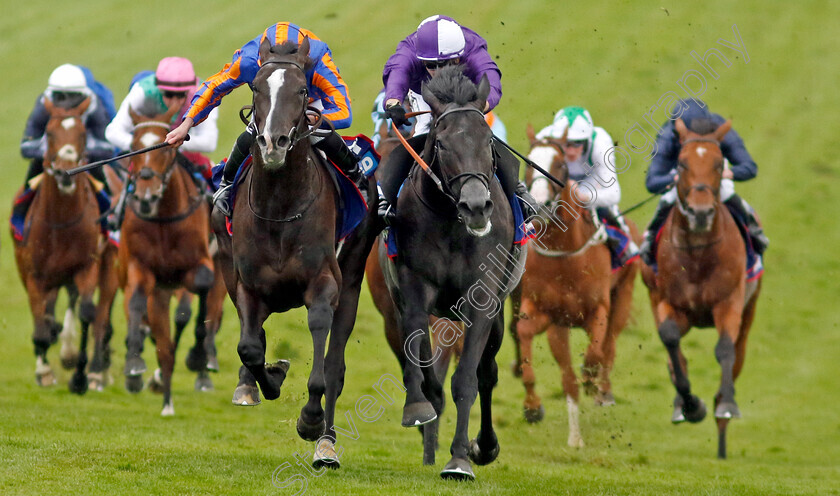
{"type": "Point", "coordinates": [397, 115]}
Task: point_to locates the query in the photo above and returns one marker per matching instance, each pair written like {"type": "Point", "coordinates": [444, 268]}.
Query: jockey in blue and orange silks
{"type": "Point", "coordinates": [327, 91]}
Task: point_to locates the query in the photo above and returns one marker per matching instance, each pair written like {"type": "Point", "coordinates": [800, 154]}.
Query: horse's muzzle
{"type": "Point", "coordinates": [274, 150]}
{"type": "Point", "coordinates": [700, 218]}
{"type": "Point", "coordinates": [475, 208]}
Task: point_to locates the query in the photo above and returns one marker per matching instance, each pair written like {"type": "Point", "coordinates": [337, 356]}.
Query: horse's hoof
{"type": "Point", "coordinates": [203, 384]}
{"type": "Point", "coordinates": [69, 360]}
{"type": "Point", "coordinates": [458, 469]}
{"type": "Point", "coordinates": [78, 384]}
{"type": "Point", "coordinates": [325, 455]}
{"type": "Point", "coordinates": [134, 366]}
{"type": "Point", "coordinates": [589, 387]}
{"type": "Point", "coordinates": [604, 399]}
{"type": "Point", "coordinates": [212, 364]}
{"type": "Point", "coordinates": [146, 330]}
{"type": "Point", "coordinates": [246, 395]}
{"type": "Point", "coordinates": [311, 432]}
{"type": "Point", "coordinates": [134, 383]}
{"type": "Point", "coordinates": [534, 415]}
{"type": "Point", "coordinates": [96, 381]}
{"type": "Point", "coordinates": [276, 373]}
{"type": "Point", "coordinates": [418, 413]}
{"type": "Point", "coordinates": [45, 379]}
{"type": "Point", "coordinates": [727, 411]}
{"type": "Point", "coordinates": [696, 414]}
{"type": "Point", "coordinates": [480, 457]}
{"type": "Point", "coordinates": [677, 417]}
{"type": "Point", "coordinates": [196, 359]}
{"type": "Point", "coordinates": [155, 383]}
{"type": "Point", "coordinates": [516, 368]}
{"type": "Point", "coordinates": [168, 410]}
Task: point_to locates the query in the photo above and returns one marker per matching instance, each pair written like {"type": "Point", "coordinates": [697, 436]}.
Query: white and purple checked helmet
{"type": "Point", "coordinates": [439, 38]}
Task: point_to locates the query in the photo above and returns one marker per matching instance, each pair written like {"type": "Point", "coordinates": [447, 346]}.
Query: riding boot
{"type": "Point", "coordinates": [337, 151]}
{"type": "Point", "coordinates": [238, 154]}
{"type": "Point", "coordinates": [386, 210]}
{"type": "Point", "coordinates": [745, 213]}
{"type": "Point", "coordinates": [646, 250]}
{"type": "Point", "coordinates": [528, 203]}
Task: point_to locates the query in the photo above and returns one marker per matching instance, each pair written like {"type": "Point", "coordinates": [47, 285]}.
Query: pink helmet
{"type": "Point", "coordinates": [175, 74]}
{"type": "Point", "coordinates": [439, 38]}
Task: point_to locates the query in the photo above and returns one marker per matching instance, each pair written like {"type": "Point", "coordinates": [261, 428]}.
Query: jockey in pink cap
{"type": "Point", "coordinates": [173, 83]}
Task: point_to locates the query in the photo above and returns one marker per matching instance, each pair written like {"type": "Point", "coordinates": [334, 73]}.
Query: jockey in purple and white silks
{"type": "Point", "coordinates": [662, 173]}
{"type": "Point", "coordinates": [438, 41]}
{"type": "Point", "coordinates": [587, 150]}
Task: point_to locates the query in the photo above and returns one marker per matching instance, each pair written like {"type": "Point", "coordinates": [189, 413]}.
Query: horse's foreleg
{"type": "Point", "coordinates": [183, 314]}
{"type": "Point", "coordinates": [135, 299]}
{"type": "Point", "coordinates": [728, 321]}
{"type": "Point", "coordinates": [321, 298]}
{"type": "Point", "coordinates": [686, 406]}
{"type": "Point", "coordinates": [69, 354]}
{"type": "Point", "coordinates": [252, 313]}
{"type": "Point", "coordinates": [417, 347]}
{"type": "Point", "coordinates": [485, 448]}
{"type": "Point", "coordinates": [529, 325]}
{"type": "Point", "coordinates": [199, 281]}
{"type": "Point", "coordinates": [158, 313]}
{"type": "Point", "coordinates": [595, 359]}
{"type": "Point", "coordinates": [102, 330]}
{"type": "Point", "coordinates": [516, 307]}
{"type": "Point", "coordinates": [85, 281]}
{"type": "Point", "coordinates": [215, 308]}
{"type": "Point", "coordinates": [42, 335]}
{"type": "Point", "coordinates": [558, 341]}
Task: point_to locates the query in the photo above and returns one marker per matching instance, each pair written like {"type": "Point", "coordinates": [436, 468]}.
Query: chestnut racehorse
{"type": "Point", "coordinates": [164, 246]}
{"type": "Point", "coordinates": [61, 246]}
{"type": "Point", "coordinates": [568, 282]}
{"type": "Point", "coordinates": [701, 279]}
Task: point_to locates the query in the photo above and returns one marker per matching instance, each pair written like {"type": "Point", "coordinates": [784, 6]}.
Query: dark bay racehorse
{"type": "Point", "coordinates": [568, 282]}
{"type": "Point", "coordinates": [61, 246]}
{"type": "Point", "coordinates": [448, 235]}
{"type": "Point", "coordinates": [164, 246]}
{"type": "Point", "coordinates": [702, 280]}
{"type": "Point", "coordinates": [282, 253]}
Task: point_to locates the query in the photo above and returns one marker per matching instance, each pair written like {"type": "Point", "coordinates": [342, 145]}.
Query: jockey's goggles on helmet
{"type": "Point", "coordinates": [174, 94]}
{"type": "Point", "coordinates": [437, 64]}
{"type": "Point", "coordinates": [575, 143]}
{"type": "Point", "coordinates": [67, 99]}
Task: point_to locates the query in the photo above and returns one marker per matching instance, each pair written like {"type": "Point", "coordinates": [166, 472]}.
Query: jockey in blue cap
{"type": "Point", "coordinates": [662, 174]}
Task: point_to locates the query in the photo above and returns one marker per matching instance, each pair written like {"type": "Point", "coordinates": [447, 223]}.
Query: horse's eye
{"type": "Point", "coordinates": [302, 91]}
{"type": "Point", "coordinates": [439, 144]}
{"type": "Point", "coordinates": [681, 165]}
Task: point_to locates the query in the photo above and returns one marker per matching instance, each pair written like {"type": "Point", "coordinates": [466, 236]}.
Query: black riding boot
{"type": "Point", "coordinates": [646, 250]}
{"type": "Point", "coordinates": [336, 150]}
{"type": "Point", "coordinates": [238, 153]}
{"type": "Point", "coordinates": [745, 212]}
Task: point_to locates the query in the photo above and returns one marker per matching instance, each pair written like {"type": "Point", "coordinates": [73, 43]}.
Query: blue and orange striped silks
{"type": "Point", "coordinates": [324, 82]}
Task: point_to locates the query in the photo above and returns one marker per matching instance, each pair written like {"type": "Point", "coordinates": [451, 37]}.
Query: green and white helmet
{"type": "Point", "coordinates": [578, 123]}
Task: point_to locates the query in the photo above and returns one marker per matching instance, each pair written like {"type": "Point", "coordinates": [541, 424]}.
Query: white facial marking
{"type": "Point", "coordinates": [150, 139]}
{"type": "Point", "coordinates": [701, 151]}
{"type": "Point", "coordinates": [275, 81]}
{"type": "Point", "coordinates": [68, 123]}
{"type": "Point", "coordinates": [542, 156]}
{"type": "Point", "coordinates": [68, 153]}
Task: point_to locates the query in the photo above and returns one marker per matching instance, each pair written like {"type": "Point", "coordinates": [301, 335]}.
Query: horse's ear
{"type": "Point", "coordinates": [721, 131]}
{"type": "Point", "coordinates": [135, 117]}
{"type": "Point", "coordinates": [681, 129]}
{"type": "Point", "coordinates": [483, 92]}
{"type": "Point", "coordinates": [529, 131]}
{"type": "Point", "coordinates": [82, 107]}
{"type": "Point", "coordinates": [303, 49]}
{"type": "Point", "coordinates": [49, 105]}
{"type": "Point", "coordinates": [265, 49]}
{"type": "Point", "coordinates": [170, 112]}
{"type": "Point", "coordinates": [432, 100]}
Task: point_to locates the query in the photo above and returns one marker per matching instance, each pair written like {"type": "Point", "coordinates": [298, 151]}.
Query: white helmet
{"type": "Point", "coordinates": [67, 77]}
{"type": "Point", "coordinates": [577, 121]}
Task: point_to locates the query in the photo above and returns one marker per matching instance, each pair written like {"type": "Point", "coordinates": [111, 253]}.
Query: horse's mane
{"type": "Point", "coordinates": [451, 85]}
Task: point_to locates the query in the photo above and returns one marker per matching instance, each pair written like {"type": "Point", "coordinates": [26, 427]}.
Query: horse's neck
{"type": "Point", "coordinates": [177, 194]}
{"type": "Point", "coordinates": [570, 225]}
{"type": "Point", "coordinates": [61, 206]}
{"type": "Point", "coordinates": [281, 191]}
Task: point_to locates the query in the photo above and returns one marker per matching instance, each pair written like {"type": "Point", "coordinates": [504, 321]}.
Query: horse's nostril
{"type": "Point", "coordinates": [488, 205]}
{"type": "Point", "coordinates": [261, 140]}
{"type": "Point", "coordinates": [283, 141]}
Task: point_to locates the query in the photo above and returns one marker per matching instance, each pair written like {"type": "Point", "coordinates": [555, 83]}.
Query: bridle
{"type": "Point", "coordinates": [446, 184]}
{"type": "Point", "coordinates": [683, 208]}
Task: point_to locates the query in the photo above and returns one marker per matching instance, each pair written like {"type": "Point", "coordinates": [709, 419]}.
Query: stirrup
{"type": "Point", "coordinates": [221, 196]}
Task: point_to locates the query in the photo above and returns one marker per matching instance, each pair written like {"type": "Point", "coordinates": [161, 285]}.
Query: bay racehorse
{"type": "Point", "coordinates": [569, 282]}
{"type": "Point", "coordinates": [701, 279]}
{"type": "Point", "coordinates": [163, 247]}
{"type": "Point", "coordinates": [449, 231]}
{"type": "Point", "coordinates": [61, 247]}
{"type": "Point", "coordinates": [282, 251]}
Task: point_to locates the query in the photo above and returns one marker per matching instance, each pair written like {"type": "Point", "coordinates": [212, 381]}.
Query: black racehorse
{"type": "Point", "coordinates": [454, 232]}
{"type": "Point", "coordinates": [282, 253]}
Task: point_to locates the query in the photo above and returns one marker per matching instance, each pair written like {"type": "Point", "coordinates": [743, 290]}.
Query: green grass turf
{"type": "Point", "coordinates": [615, 58]}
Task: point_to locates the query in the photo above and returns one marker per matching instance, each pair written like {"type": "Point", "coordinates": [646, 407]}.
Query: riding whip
{"type": "Point", "coordinates": [93, 165]}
